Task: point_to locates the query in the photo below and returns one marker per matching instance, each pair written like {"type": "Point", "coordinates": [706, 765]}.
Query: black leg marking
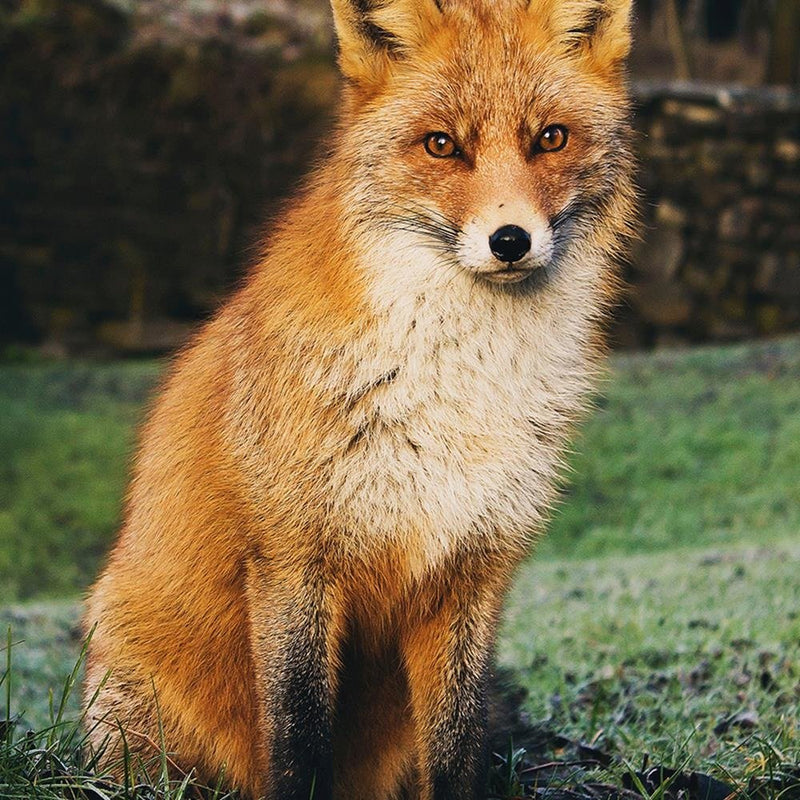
{"type": "Point", "coordinates": [460, 753]}
{"type": "Point", "coordinates": [301, 756]}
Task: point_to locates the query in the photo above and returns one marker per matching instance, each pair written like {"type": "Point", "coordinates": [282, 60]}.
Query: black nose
{"type": "Point", "coordinates": [510, 243]}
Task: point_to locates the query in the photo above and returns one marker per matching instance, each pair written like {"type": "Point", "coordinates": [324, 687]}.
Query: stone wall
{"type": "Point", "coordinates": [140, 150]}
{"type": "Point", "coordinates": [720, 251]}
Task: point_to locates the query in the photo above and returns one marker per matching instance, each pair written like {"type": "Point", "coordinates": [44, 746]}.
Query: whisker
{"type": "Point", "coordinates": [433, 228]}
{"type": "Point", "coordinates": [441, 231]}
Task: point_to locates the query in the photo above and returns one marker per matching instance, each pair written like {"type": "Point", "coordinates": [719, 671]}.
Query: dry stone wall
{"type": "Point", "coordinates": [140, 154]}
{"type": "Point", "coordinates": [719, 256]}
{"type": "Point", "coordinates": [142, 145]}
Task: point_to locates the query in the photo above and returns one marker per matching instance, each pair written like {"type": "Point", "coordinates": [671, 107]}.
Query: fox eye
{"type": "Point", "coordinates": [440, 145]}
{"type": "Point", "coordinates": [552, 138]}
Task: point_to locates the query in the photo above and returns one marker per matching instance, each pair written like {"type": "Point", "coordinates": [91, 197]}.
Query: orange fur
{"type": "Point", "coordinates": [345, 466]}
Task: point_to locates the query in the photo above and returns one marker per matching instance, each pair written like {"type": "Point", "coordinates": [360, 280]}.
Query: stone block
{"type": "Point", "coordinates": [670, 214]}
{"type": "Point", "coordinates": [789, 186]}
{"type": "Point", "coordinates": [729, 225]}
{"type": "Point", "coordinates": [768, 319]}
{"type": "Point", "coordinates": [702, 114]}
{"type": "Point", "coordinates": [787, 150]}
{"type": "Point", "coordinates": [736, 223]}
{"type": "Point", "coordinates": [790, 234]}
{"type": "Point", "coordinates": [725, 330]}
{"type": "Point", "coordinates": [778, 276]}
{"type": "Point", "coordinates": [759, 173]}
{"type": "Point", "coordinates": [697, 278]}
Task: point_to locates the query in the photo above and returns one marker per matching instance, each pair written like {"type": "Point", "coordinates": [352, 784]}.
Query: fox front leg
{"type": "Point", "coordinates": [448, 658]}
{"type": "Point", "coordinates": [294, 644]}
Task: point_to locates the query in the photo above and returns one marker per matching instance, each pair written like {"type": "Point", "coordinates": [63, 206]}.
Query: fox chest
{"type": "Point", "coordinates": [453, 442]}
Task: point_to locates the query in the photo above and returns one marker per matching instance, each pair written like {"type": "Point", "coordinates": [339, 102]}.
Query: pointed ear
{"type": "Point", "coordinates": [599, 29]}
{"type": "Point", "coordinates": [372, 33]}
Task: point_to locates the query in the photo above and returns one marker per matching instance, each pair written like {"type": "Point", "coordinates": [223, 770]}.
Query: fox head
{"type": "Point", "coordinates": [493, 132]}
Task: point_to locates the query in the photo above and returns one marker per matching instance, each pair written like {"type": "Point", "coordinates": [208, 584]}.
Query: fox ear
{"type": "Point", "coordinates": [600, 29]}
{"type": "Point", "coordinates": [374, 32]}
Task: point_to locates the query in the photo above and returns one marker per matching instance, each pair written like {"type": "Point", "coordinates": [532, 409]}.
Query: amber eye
{"type": "Point", "coordinates": [552, 138]}
{"type": "Point", "coordinates": [440, 145]}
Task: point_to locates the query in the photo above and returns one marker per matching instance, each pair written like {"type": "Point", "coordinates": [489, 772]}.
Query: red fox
{"type": "Point", "coordinates": [346, 465]}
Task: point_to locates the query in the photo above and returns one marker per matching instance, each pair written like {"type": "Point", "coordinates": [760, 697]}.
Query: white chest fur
{"type": "Point", "coordinates": [464, 395]}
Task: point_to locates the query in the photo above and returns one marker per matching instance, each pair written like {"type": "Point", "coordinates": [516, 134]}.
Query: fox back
{"type": "Point", "coordinates": [346, 465]}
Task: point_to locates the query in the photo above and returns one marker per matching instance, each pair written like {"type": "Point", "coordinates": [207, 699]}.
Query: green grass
{"type": "Point", "coordinates": [687, 448]}
{"type": "Point", "coordinates": [66, 432]}
{"type": "Point", "coordinates": [55, 760]}
{"type": "Point", "coordinates": [691, 656]}
{"type": "Point", "coordinates": [46, 640]}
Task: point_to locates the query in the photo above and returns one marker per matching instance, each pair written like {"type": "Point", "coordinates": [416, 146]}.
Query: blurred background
{"type": "Point", "coordinates": [143, 144]}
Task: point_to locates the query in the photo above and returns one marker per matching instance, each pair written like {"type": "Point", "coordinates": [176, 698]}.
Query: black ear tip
{"type": "Point", "coordinates": [380, 37]}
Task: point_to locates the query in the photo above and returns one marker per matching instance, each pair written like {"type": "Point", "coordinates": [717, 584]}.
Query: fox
{"type": "Point", "coordinates": [345, 466]}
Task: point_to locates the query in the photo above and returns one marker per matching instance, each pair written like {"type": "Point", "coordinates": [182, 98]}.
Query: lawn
{"type": "Point", "coordinates": [66, 434]}
{"type": "Point", "coordinates": [661, 615]}
{"type": "Point", "coordinates": [691, 656]}
{"type": "Point", "coordinates": [687, 448]}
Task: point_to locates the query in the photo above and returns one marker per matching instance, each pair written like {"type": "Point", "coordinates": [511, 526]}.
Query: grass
{"type": "Point", "coordinates": [66, 432]}
{"type": "Point", "coordinates": [691, 657]}
{"type": "Point", "coordinates": [661, 615]}
{"type": "Point", "coordinates": [56, 762]}
{"type": "Point", "coordinates": [687, 448]}
{"type": "Point", "coordinates": [47, 642]}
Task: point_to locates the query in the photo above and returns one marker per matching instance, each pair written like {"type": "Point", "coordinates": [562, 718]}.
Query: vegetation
{"type": "Point", "coordinates": [660, 618]}
{"type": "Point", "coordinates": [689, 661]}
{"type": "Point", "coordinates": [55, 761]}
{"type": "Point", "coordinates": [66, 433]}
{"type": "Point", "coordinates": [686, 449]}
{"type": "Point", "coordinates": [691, 656]}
